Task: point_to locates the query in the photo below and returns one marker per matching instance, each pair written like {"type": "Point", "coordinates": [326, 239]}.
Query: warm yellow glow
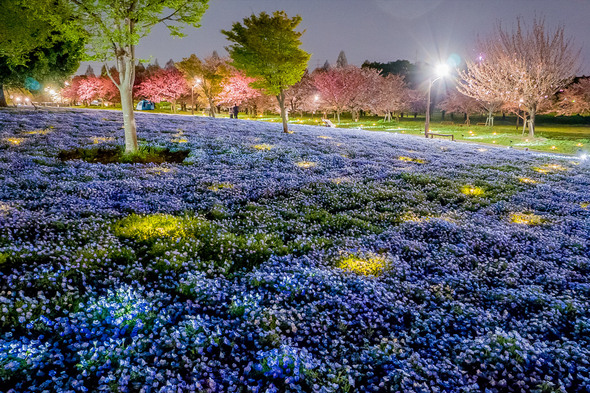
{"type": "Point", "coordinates": [158, 170]}
{"type": "Point", "coordinates": [371, 266]}
{"type": "Point", "coordinates": [550, 168]}
{"type": "Point", "coordinates": [179, 140]}
{"type": "Point", "coordinates": [38, 132]}
{"type": "Point", "coordinates": [220, 186]}
{"type": "Point", "coordinates": [151, 227]}
{"type": "Point", "coordinates": [306, 164]}
{"type": "Point", "coordinates": [553, 147]}
{"type": "Point", "coordinates": [526, 218]}
{"type": "Point", "coordinates": [527, 180]}
{"type": "Point", "coordinates": [482, 150]}
{"type": "Point", "coordinates": [4, 208]}
{"type": "Point", "coordinates": [101, 139]}
{"type": "Point", "coordinates": [470, 190]}
{"type": "Point", "coordinates": [493, 141]}
{"type": "Point", "coordinates": [339, 180]}
{"type": "Point", "coordinates": [324, 137]}
{"type": "Point", "coordinates": [15, 141]}
{"type": "Point", "coordinates": [495, 133]}
{"type": "Point", "coordinates": [263, 147]}
{"type": "Point", "coordinates": [584, 205]}
{"type": "Point", "coordinates": [580, 144]}
{"type": "Point", "coordinates": [410, 159]}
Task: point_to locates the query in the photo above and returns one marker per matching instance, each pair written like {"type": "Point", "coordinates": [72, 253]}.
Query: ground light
{"type": "Point", "coordinates": [441, 71]}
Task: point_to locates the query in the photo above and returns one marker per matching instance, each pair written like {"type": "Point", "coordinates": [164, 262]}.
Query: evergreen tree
{"type": "Point", "coordinates": [341, 62]}
{"type": "Point", "coordinates": [89, 71]}
{"type": "Point", "coordinates": [266, 47]}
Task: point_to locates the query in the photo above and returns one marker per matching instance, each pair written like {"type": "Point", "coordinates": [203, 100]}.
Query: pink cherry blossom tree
{"type": "Point", "coordinates": [456, 102]}
{"type": "Point", "coordinates": [236, 90]}
{"type": "Point", "coordinates": [163, 85]}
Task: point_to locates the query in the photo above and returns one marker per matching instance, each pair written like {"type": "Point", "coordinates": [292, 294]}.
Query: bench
{"type": "Point", "coordinates": [481, 124]}
{"type": "Point", "coordinates": [433, 134]}
{"type": "Point", "coordinates": [328, 123]}
{"type": "Point", "coordinates": [447, 123]}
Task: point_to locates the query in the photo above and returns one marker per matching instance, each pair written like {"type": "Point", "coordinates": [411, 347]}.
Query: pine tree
{"type": "Point", "coordinates": [341, 62]}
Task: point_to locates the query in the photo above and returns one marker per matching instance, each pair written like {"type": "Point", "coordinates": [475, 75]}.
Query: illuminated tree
{"type": "Point", "coordinates": [206, 75]}
{"type": "Point", "coordinates": [89, 89]}
{"type": "Point", "coordinates": [575, 99]}
{"type": "Point", "coordinates": [266, 48]}
{"type": "Point", "coordinates": [522, 65]}
{"type": "Point", "coordinates": [33, 49]}
{"type": "Point", "coordinates": [165, 85]}
{"type": "Point", "coordinates": [390, 95]}
{"type": "Point", "coordinates": [237, 90]}
{"type": "Point", "coordinates": [456, 102]}
{"type": "Point", "coordinates": [115, 27]}
{"type": "Point", "coordinates": [301, 96]}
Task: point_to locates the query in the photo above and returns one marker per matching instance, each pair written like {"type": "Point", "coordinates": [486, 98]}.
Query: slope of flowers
{"type": "Point", "coordinates": [318, 261]}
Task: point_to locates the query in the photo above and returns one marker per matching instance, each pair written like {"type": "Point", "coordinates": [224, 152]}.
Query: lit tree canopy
{"type": "Point", "coordinates": [575, 99]}
{"type": "Point", "coordinates": [266, 47]}
{"type": "Point", "coordinates": [113, 29]}
{"type": "Point", "coordinates": [522, 65]}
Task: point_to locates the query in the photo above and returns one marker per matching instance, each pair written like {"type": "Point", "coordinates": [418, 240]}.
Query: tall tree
{"type": "Point", "coordinates": [456, 102]}
{"type": "Point", "coordinates": [164, 85]}
{"type": "Point", "coordinates": [528, 64]}
{"type": "Point", "coordinates": [236, 90]}
{"type": "Point", "coordinates": [114, 29]}
{"type": "Point", "coordinates": [32, 48]}
{"type": "Point", "coordinates": [266, 48]}
{"type": "Point", "coordinates": [341, 62]}
{"type": "Point", "coordinates": [575, 99]}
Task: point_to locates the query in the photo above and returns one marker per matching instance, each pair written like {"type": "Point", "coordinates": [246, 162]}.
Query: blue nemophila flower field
{"type": "Point", "coordinates": [320, 261]}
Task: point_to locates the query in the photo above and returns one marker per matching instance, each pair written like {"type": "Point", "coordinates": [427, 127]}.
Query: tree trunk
{"type": "Point", "coordinates": [467, 120]}
{"type": "Point", "coordinates": [532, 114]}
{"type": "Point", "coordinates": [211, 107]}
{"type": "Point", "coordinates": [338, 114]}
{"type": "Point", "coordinates": [284, 114]}
{"type": "Point", "coordinates": [3, 103]}
{"type": "Point", "coordinates": [128, 119]}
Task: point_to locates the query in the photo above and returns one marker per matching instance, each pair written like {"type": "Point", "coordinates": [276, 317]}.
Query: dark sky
{"type": "Point", "coordinates": [377, 30]}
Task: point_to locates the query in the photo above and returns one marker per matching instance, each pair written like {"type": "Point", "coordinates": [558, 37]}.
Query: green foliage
{"type": "Point", "coordinates": [144, 155]}
{"type": "Point", "coordinates": [266, 47]}
{"type": "Point", "coordinates": [33, 47]}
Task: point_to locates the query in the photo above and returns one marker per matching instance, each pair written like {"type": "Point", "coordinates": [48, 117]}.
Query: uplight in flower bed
{"type": "Point", "coordinates": [410, 159]}
{"type": "Point", "coordinates": [220, 186]}
{"type": "Point", "coordinates": [373, 266]}
{"type": "Point", "coordinates": [4, 209]}
{"type": "Point", "coordinates": [179, 140]}
{"type": "Point", "coordinates": [151, 226]}
{"type": "Point", "coordinates": [470, 190]}
{"type": "Point", "coordinates": [306, 164]}
{"type": "Point", "coordinates": [15, 141]}
{"type": "Point", "coordinates": [262, 147]}
{"type": "Point", "coordinates": [526, 218]}
{"type": "Point", "coordinates": [324, 137]}
{"type": "Point", "coordinates": [550, 168]}
{"type": "Point", "coordinates": [340, 180]}
{"type": "Point", "coordinates": [158, 170]}
{"type": "Point", "coordinates": [584, 205]}
{"type": "Point", "coordinates": [101, 139]}
{"type": "Point", "coordinates": [38, 132]}
{"type": "Point", "coordinates": [527, 180]}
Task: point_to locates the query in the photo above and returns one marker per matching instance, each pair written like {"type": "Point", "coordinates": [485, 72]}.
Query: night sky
{"type": "Point", "coordinates": [376, 30]}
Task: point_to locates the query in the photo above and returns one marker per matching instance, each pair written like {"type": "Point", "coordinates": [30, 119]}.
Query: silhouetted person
{"type": "Point", "coordinates": [235, 110]}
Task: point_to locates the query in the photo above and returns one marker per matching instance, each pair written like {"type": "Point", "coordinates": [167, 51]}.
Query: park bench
{"type": "Point", "coordinates": [481, 124]}
{"type": "Point", "coordinates": [433, 134]}
{"type": "Point", "coordinates": [328, 123]}
{"type": "Point", "coordinates": [447, 123]}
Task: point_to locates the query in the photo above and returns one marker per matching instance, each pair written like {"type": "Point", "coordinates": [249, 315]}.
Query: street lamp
{"type": "Point", "coordinates": [197, 81]}
{"type": "Point", "coordinates": [440, 71]}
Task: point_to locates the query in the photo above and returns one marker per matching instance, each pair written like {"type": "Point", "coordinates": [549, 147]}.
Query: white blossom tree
{"type": "Point", "coordinates": [526, 65]}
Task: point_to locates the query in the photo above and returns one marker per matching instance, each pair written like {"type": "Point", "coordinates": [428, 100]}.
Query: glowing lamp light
{"type": "Point", "coordinates": [441, 70]}
{"type": "Point", "coordinates": [584, 157]}
{"type": "Point", "coordinates": [553, 147]}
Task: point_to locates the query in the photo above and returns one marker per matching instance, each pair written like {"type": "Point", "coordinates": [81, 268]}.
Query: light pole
{"type": "Point", "coordinates": [441, 71]}
{"type": "Point", "coordinates": [197, 81]}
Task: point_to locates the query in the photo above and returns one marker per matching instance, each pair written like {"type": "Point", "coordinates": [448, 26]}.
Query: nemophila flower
{"type": "Point", "coordinates": [379, 268]}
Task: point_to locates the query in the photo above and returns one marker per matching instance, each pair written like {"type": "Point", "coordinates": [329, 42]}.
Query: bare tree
{"type": "Point", "coordinates": [526, 65]}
